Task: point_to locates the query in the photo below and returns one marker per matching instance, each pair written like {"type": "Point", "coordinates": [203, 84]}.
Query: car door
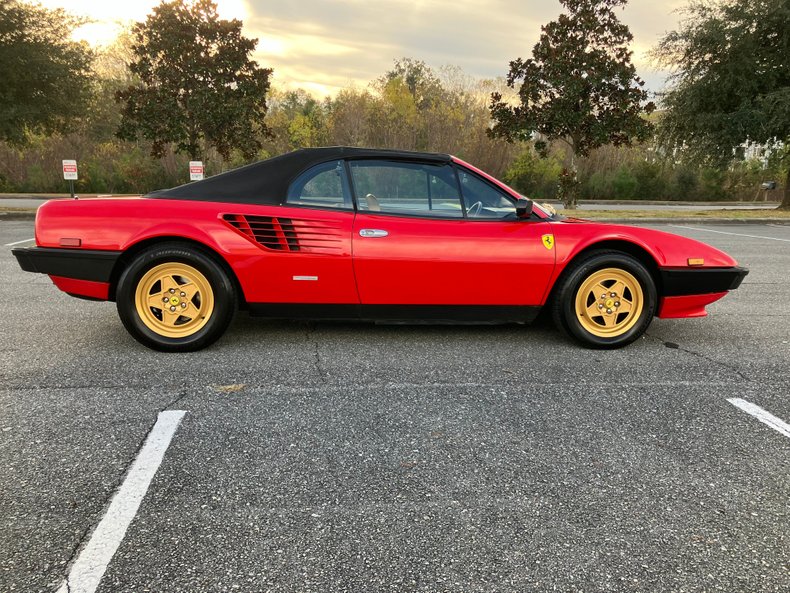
{"type": "Point", "coordinates": [420, 239]}
{"type": "Point", "coordinates": [306, 242]}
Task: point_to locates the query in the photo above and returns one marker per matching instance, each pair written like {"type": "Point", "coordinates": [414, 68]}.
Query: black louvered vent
{"type": "Point", "coordinates": [289, 234]}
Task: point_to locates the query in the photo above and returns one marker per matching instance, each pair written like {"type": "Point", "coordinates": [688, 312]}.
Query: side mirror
{"type": "Point", "coordinates": [523, 208]}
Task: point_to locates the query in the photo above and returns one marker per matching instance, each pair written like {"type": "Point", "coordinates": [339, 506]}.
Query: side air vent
{"type": "Point", "coordinates": [289, 234]}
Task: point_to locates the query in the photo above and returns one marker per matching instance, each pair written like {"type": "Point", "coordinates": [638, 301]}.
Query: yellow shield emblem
{"type": "Point", "coordinates": [548, 241]}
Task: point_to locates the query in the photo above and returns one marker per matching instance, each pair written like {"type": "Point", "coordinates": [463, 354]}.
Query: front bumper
{"type": "Point", "coordinates": [77, 264]}
{"type": "Point", "coordinates": [694, 281]}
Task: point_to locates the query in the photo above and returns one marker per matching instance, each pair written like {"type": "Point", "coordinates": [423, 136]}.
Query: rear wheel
{"type": "Point", "coordinates": [176, 298]}
{"type": "Point", "coordinates": [605, 300]}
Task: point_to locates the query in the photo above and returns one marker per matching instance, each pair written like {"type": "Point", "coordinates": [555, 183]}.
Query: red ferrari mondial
{"type": "Point", "coordinates": [351, 233]}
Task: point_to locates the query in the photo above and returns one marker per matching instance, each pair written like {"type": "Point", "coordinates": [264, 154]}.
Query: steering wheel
{"type": "Point", "coordinates": [474, 209]}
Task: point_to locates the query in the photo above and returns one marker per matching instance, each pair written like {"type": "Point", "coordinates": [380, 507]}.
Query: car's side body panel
{"type": "Point", "coordinates": [264, 274]}
{"type": "Point", "coordinates": [667, 250]}
{"type": "Point", "coordinates": [303, 254]}
{"type": "Point", "coordinates": [450, 262]}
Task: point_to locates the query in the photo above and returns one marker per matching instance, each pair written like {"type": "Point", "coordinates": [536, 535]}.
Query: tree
{"type": "Point", "coordinates": [731, 81]}
{"type": "Point", "coordinates": [111, 75]}
{"type": "Point", "coordinates": [46, 77]}
{"type": "Point", "coordinates": [420, 80]}
{"type": "Point", "coordinates": [534, 176]}
{"type": "Point", "coordinates": [198, 85]}
{"type": "Point", "coordinates": [296, 120]}
{"type": "Point", "coordinates": [579, 88]}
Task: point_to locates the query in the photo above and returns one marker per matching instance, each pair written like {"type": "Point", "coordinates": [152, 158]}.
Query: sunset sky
{"type": "Point", "coordinates": [324, 45]}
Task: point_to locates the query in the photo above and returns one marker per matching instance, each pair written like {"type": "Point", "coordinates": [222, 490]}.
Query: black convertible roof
{"type": "Point", "coordinates": [266, 182]}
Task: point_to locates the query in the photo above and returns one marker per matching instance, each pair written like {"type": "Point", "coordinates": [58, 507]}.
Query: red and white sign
{"type": "Point", "coordinates": [195, 170]}
{"type": "Point", "coordinates": [69, 170]}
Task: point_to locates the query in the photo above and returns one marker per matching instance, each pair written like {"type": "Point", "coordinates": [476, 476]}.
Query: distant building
{"type": "Point", "coordinates": [759, 152]}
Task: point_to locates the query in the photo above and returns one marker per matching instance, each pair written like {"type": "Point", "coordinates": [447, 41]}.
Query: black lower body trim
{"type": "Point", "coordinates": [432, 313]}
{"type": "Point", "coordinates": [687, 281]}
{"type": "Point", "coordinates": [79, 264]}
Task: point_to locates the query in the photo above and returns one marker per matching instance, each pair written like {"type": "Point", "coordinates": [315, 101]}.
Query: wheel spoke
{"type": "Point", "coordinates": [190, 311]}
{"type": "Point", "coordinates": [168, 282]}
{"type": "Point", "coordinates": [189, 289]}
{"type": "Point", "coordinates": [618, 288]}
{"type": "Point", "coordinates": [168, 317]}
{"type": "Point", "coordinates": [610, 320]}
{"type": "Point", "coordinates": [155, 301]}
{"type": "Point", "coordinates": [593, 310]}
{"type": "Point", "coordinates": [625, 306]}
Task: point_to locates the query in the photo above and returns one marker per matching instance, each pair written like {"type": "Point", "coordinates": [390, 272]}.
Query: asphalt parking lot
{"type": "Point", "coordinates": [350, 457]}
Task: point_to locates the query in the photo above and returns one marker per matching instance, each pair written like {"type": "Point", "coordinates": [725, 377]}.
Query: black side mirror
{"type": "Point", "coordinates": [523, 208]}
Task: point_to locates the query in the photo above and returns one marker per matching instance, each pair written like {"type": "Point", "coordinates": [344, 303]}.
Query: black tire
{"type": "Point", "coordinates": [573, 322]}
{"type": "Point", "coordinates": [214, 304]}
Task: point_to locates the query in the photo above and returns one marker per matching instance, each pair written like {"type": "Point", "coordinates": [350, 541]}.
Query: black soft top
{"type": "Point", "coordinates": [266, 182]}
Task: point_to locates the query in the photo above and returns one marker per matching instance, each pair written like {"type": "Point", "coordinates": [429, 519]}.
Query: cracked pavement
{"type": "Point", "coordinates": [357, 457]}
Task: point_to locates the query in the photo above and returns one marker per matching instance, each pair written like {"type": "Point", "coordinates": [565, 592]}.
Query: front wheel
{"type": "Point", "coordinates": [605, 300]}
{"type": "Point", "coordinates": [175, 298]}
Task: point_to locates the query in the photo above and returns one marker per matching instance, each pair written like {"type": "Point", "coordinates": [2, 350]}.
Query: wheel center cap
{"type": "Point", "coordinates": [609, 303]}
{"type": "Point", "coordinates": [174, 300]}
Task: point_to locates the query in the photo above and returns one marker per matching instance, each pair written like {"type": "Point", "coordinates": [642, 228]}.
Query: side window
{"type": "Point", "coordinates": [483, 200]}
{"type": "Point", "coordinates": [416, 189]}
{"type": "Point", "coordinates": [322, 186]}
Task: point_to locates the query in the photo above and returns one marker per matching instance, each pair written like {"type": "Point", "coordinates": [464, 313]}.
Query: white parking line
{"type": "Point", "coordinates": [88, 569]}
{"type": "Point", "coordinates": [19, 242]}
{"type": "Point", "coordinates": [693, 228]}
{"type": "Point", "coordinates": [777, 424]}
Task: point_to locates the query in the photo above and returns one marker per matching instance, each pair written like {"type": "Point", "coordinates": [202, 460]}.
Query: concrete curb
{"type": "Point", "coordinates": [21, 215]}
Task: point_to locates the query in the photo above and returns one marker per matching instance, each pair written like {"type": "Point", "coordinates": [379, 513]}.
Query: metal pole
{"type": "Point", "coordinates": [71, 188]}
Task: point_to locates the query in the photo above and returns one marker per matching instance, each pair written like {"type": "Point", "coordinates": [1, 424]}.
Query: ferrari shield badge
{"type": "Point", "coordinates": [548, 241]}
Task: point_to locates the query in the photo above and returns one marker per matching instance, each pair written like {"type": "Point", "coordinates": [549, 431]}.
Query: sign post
{"type": "Point", "coordinates": [70, 174]}
{"type": "Point", "coordinates": [195, 170]}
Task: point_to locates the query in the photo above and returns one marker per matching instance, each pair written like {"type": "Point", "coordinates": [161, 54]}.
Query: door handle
{"type": "Point", "coordinates": [372, 233]}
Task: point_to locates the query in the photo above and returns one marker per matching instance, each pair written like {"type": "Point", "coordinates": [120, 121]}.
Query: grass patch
{"type": "Point", "coordinates": [11, 209]}
{"type": "Point", "coordinates": [670, 214]}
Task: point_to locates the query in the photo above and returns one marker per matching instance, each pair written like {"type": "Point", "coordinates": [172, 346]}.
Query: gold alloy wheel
{"type": "Point", "coordinates": [174, 300]}
{"type": "Point", "coordinates": [609, 302]}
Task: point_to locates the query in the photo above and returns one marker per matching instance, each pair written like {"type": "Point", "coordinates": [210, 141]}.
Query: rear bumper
{"type": "Point", "coordinates": [76, 264]}
{"type": "Point", "coordinates": [698, 281]}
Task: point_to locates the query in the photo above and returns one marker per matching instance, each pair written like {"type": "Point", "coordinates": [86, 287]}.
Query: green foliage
{"type": "Point", "coordinates": [418, 78]}
{"type": "Point", "coordinates": [651, 180]}
{"type": "Point", "coordinates": [111, 75]}
{"type": "Point", "coordinates": [45, 77]}
{"type": "Point", "coordinates": [624, 185]}
{"type": "Point", "coordinates": [411, 107]}
{"type": "Point", "coordinates": [731, 80]}
{"type": "Point", "coordinates": [535, 177]}
{"type": "Point", "coordinates": [579, 86]}
{"type": "Point", "coordinates": [197, 84]}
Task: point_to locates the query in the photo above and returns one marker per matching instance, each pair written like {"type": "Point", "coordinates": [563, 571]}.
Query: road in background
{"type": "Point", "coordinates": [347, 457]}
{"type": "Point", "coordinates": [30, 201]}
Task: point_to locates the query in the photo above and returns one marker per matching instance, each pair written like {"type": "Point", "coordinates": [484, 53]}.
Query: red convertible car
{"type": "Point", "coordinates": [351, 233]}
